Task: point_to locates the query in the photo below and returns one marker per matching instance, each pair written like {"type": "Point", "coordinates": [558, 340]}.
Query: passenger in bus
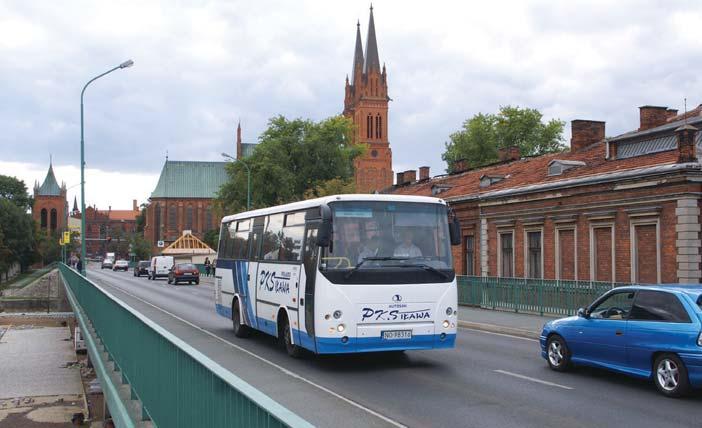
{"type": "Point", "coordinates": [406, 247]}
{"type": "Point", "coordinates": [369, 248]}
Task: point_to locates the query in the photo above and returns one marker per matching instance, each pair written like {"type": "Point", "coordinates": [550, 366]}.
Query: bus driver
{"type": "Point", "coordinates": [406, 247]}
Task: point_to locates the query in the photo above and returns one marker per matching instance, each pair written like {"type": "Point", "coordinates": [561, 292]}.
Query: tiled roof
{"type": "Point", "coordinates": [127, 215]}
{"type": "Point", "coordinates": [530, 171]}
{"type": "Point", "coordinates": [50, 186]}
{"type": "Point", "coordinates": [190, 179]}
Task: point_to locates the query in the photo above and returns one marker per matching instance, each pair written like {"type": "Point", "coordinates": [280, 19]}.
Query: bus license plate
{"type": "Point", "coordinates": [397, 334]}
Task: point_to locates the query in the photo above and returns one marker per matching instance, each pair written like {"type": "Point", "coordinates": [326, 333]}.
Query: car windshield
{"type": "Point", "coordinates": [186, 266]}
{"type": "Point", "coordinates": [377, 234]}
{"type": "Point", "coordinates": [143, 264]}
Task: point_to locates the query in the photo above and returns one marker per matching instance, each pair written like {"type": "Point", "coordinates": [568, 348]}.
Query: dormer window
{"type": "Point", "coordinates": [557, 167]}
{"type": "Point", "coordinates": [489, 180]}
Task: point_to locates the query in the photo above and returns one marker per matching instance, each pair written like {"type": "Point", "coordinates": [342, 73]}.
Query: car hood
{"type": "Point", "coordinates": [560, 321]}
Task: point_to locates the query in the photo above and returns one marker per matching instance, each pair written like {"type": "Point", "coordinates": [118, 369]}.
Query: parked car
{"type": "Point", "coordinates": [650, 332]}
{"type": "Point", "coordinates": [141, 268]}
{"type": "Point", "coordinates": [160, 266]}
{"type": "Point", "coordinates": [184, 272]}
{"type": "Point", "coordinates": [106, 264]}
{"type": "Point", "coordinates": [121, 265]}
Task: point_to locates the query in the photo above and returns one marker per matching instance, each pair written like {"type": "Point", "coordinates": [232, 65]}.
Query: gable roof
{"type": "Point", "coordinates": [190, 179]}
{"type": "Point", "coordinates": [50, 186]}
{"type": "Point", "coordinates": [188, 244]}
{"type": "Point", "coordinates": [126, 215]}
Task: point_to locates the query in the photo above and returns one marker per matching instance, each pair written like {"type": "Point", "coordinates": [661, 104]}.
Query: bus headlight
{"type": "Point", "coordinates": [337, 314]}
{"type": "Point", "coordinates": [340, 328]}
{"type": "Point", "coordinates": [446, 324]}
{"type": "Point", "coordinates": [449, 311]}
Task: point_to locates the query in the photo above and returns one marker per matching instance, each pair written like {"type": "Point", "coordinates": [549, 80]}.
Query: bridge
{"type": "Point", "coordinates": [166, 359]}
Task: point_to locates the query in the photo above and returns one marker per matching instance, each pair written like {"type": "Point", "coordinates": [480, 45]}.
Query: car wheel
{"type": "Point", "coordinates": [170, 281]}
{"type": "Point", "coordinates": [197, 282]}
{"type": "Point", "coordinates": [557, 354]}
{"type": "Point", "coordinates": [240, 330]}
{"type": "Point", "coordinates": [670, 376]}
{"type": "Point", "coordinates": [292, 349]}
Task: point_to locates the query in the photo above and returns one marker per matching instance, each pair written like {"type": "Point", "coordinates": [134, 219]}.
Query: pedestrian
{"type": "Point", "coordinates": [79, 265]}
{"type": "Point", "coordinates": [214, 266]}
{"type": "Point", "coordinates": [207, 266]}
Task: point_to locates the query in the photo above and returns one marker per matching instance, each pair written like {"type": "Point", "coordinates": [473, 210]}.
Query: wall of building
{"type": "Point", "coordinates": [167, 218]}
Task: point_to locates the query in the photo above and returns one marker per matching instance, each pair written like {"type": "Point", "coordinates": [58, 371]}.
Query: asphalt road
{"type": "Point", "coordinates": [488, 380]}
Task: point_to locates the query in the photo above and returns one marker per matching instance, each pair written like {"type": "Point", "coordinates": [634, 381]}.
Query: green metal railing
{"type": "Point", "coordinates": [541, 296]}
{"type": "Point", "coordinates": [177, 385]}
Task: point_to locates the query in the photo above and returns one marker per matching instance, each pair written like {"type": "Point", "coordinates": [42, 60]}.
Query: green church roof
{"type": "Point", "coordinates": [190, 179]}
{"type": "Point", "coordinates": [50, 186]}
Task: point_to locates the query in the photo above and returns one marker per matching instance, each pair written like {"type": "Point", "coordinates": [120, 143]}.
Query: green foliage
{"type": "Point", "coordinates": [15, 191]}
{"type": "Point", "coordinates": [482, 135]}
{"type": "Point", "coordinates": [16, 235]}
{"type": "Point", "coordinates": [211, 238]}
{"type": "Point", "coordinates": [141, 247]}
{"type": "Point", "coordinates": [141, 219]}
{"type": "Point", "coordinates": [293, 157]}
{"type": "Point", "coordinates": [48, 247]}
{"type": "Point", "coordinates": [335, 186]}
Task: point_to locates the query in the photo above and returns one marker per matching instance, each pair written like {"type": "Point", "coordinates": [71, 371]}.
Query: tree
{"type": "Point", "coordinates": [482, 135]}
{"type": "Point", "coordinates": [293, 156]}
{"type": "Point", "coordinates": [211, 238]}
{"type": "Point", "coordinates": [15, 191]}
{"type": "Point", "coordinates": [335, 186]}
{"type": "Point", "coordinates": [17, 241]}
{"type": "Point", "coordinates": [141, 247]}
{"type": "Point", "coordinates": [141, 219]}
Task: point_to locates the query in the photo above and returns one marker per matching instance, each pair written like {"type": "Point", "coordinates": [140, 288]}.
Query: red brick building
{"type": "Point", "coordinates": [366, 103]}
{"type": "Point", "coordinates": [105, 226]}
{"type": "Point", "coordinates": [620, 209]}
{"type": "Point", "coordinates": [50, 205]}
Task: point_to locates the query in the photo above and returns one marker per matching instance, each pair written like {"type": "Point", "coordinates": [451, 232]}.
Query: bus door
{"type": "Point", "coordinates": [306, 290]}
{"type": "Point", "coordinates": [254, 253]}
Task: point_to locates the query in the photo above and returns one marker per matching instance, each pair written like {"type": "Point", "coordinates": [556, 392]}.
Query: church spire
{"type": "Point", "coordinates": [372, 60]}
{"type": "Point", "coordinates": [357, 55]}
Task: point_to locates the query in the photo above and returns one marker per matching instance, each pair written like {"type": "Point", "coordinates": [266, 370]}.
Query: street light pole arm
{"type": "Point", "coordinates": [94, 79]}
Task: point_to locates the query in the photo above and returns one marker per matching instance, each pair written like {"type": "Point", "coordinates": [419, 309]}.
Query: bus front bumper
{"type": "Point", "coordinates": [334, 345]}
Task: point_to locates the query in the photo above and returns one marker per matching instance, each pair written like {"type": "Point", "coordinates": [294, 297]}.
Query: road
{"type": "Point", "coordinates": [488, 380]}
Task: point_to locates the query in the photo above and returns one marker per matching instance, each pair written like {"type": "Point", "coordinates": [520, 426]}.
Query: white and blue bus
{"type": "Point", "coordinates": [342, 274]}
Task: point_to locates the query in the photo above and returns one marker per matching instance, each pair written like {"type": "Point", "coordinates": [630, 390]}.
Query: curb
{"type": "Point", "coordinates": [493, 328]}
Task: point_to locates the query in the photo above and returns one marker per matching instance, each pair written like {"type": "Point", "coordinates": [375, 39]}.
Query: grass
{"type": "Point", "coordinates": [24, 279]}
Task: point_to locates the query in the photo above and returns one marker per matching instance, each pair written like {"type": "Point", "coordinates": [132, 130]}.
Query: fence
{"type": "Point", "coordinates": [177, 385]}
{"type": "Point", "coordinates": [541, 296]}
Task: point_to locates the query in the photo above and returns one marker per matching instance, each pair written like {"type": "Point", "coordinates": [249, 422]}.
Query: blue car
{"type": "Point", "coordinates": [650, 332]}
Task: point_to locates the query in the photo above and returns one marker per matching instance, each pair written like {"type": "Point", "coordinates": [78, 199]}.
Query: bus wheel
{"type": "Point", "coordinates": [240, 330]}
{"type": "Point", "coordinates": [284, 331]}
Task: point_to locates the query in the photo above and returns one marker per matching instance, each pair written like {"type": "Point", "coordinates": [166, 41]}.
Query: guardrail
{"type": "Point", "coordinates": [541, 296]}
{"type": "Point", "coordinates": [177, 385]}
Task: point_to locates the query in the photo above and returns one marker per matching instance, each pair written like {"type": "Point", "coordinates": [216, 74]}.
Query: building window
{"type": "Point", "coordinates": [189, 218]}
{"type": "Point", "coordinates": [44, 218]}
{"type": "Point", "coordinates": [470, 255]}
{"type": "Point", "coordinates": [566, 254]}
{"type": "Point", "coordinates": [54, 219]}
{"type": "Point", "coordinates": [157, 223]}
{"type": "Point", "coordinates": [506, 254]}
{"type": "Point", "coordinates": [533, 256]}
{"type": "Point", "coordinates": [602, 267]}
{"type": "Point", "coordinates": [369, 126]}
{"type": "Point", "coordinates": [645, 251]}
{"type": "Point", "coordinates": [208, 219]}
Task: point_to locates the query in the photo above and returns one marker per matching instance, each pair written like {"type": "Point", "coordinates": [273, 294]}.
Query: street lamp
{"type": "Point", "coordinates": [248, 184]}
{"type": "Point", "coordinates": [84, 263]}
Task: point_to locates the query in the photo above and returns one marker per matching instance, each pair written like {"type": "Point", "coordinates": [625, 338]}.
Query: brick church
{"type": "Point", "coordinates": [366, 103]}
{"type": "Point", "coordinates": [50, 205]}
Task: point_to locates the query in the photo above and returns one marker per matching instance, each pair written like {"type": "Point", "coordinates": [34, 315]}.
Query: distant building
{"type": "Point", "coordinates": [619, 209]}
{"type": "Point", "coordinates": [106, 226]}
{"type": "Point", "coordinates": [50, 206]}
{"type": "Point", "coordinates": [366, 103]}
{"type": "Point", "coordinates": [183, 200]}
{"type": "Point", "coordinates": [243, 150]}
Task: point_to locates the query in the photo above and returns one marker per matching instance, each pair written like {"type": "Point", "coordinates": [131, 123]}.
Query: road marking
{"type": "Point", "coordinates": [532, 379]}
{"type": "Point", "coordinates": [271, 363]}
{"type": "Point", "coordinates": [511, 336]}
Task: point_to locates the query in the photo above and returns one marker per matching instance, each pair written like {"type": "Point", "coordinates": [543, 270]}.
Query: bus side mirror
{"type": "Point", "coordinates": [324, 233]}
{"type": "Point", "coordinates": [455, 231]}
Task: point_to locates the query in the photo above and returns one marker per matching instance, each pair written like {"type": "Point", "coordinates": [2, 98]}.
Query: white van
{"type": "Point", "coordinates": [160, 266]}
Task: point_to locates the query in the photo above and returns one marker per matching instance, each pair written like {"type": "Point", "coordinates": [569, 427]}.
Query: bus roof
{"type": "Point", "coordinates": [301, 205]}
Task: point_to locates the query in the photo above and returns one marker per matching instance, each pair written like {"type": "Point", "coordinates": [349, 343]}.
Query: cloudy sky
{"type": "Point", "coordinates": [201, 66]}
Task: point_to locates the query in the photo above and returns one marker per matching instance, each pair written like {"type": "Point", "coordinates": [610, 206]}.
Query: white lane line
{"type": "Point", "coordinates": [532, 379]}
{"type": "Point", "coordinates": [511, 336]}
{"type": "Point", "coordinates": [271, 363]}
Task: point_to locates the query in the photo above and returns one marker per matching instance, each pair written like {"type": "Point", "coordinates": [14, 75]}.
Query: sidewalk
{"type": "Point", "coordinates": [512, 323]}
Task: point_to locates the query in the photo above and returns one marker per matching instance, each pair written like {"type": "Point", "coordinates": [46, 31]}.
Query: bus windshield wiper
{"type": "Point", "coordinates": [365, 259]}
{"type": "Point", "coordinates": [428, 268]}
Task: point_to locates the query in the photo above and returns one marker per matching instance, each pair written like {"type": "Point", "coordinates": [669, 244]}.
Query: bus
{"type": "Point", "coordinates": [342, 274]}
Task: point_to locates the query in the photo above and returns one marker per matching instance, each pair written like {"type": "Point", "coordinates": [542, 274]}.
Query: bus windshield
{"type": "Point", "coordinates": [379, 234]}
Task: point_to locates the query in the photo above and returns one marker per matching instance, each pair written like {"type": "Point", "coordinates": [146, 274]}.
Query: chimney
{"type": "Point", "coordinates": [686, 144]}
{"type": "Point", "coordinates": [459, 165]}
{"type": "Point", "coordinates": [423, 173]}
{"type": "Point", "coordinates": [400, 178]}
{"type": "Point", "coordinates": [585, 133]}
{"type": "Point", "coordinates": [134, 205]}
{"type": "Point", "coordinates": [508, 154]}
{"type": "Point", "coordinates": [670, 113]}
{"type": "Point", "coordinates": [410, 175]}
{"type": "Point", "coordinates": [652, 116]}
{"type": "Point", "coordinates": [239, 147]}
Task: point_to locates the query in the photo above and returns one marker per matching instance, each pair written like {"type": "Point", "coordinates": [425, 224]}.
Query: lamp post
{"type": "Point", "coordinates": [248, 178]}
{"type": "Point", "coordinates": [84, 261]}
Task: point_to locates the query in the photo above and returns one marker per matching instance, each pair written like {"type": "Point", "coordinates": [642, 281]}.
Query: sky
{"type": "Point", "coordinates": [201, 66]}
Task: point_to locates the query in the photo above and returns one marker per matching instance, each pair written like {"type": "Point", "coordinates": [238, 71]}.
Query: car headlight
{"type": "Point", "coordinates": [699, 339]}
{"type": "Point", "coordinates": [446, 324]}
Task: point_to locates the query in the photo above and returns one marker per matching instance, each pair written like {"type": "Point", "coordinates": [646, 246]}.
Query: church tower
{"type": "Point", "coordinates": [366, 103]}
{"type": "Point", "coordinates": [50, 206]}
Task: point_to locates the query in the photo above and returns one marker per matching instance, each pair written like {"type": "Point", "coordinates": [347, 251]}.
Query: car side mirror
{"type": "Point", "coordinates": [582, 313]}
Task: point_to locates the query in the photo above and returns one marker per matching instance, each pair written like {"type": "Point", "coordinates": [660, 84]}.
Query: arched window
{"type": "Point", "coordinates": [208, 219]}
{"type": "Point", "coordinates": [157, 223]}
{"type": "Point", "coordinates": [172, 218]}
{"type": "Point", "coordinates": [44, 218]}
{"type": "Point", "coordinates": [379, 127]}
{"type": "Point", "coordinates": [54, 219]}
{"type": "Point", "coordinates": [189, 217]}
{"type": "Point", "coordinates": [369, 126]}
